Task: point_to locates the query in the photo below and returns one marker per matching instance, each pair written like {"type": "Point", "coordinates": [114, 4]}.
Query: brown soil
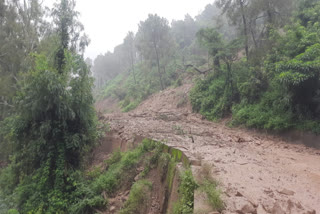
{"type": "Point", "coordinates": [158, 193]}
{"type": "Point", "coordinates": [258, 173]}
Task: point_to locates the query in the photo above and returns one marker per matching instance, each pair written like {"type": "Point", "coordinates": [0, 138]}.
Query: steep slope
{"type": "Point", "coordinates": [257, 173]}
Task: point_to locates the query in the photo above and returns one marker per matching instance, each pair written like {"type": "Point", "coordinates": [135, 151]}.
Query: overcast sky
{"type": "Point", "coordinates": [108, 21]}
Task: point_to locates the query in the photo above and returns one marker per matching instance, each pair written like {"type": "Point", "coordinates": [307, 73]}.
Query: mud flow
{"type": "Point", "coordinates": [257, 173]}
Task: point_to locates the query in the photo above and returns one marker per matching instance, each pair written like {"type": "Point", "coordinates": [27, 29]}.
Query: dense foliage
{"type": "Point", "coordinates": [258, 60]}
{"type": "Point", "coordinates": [53, 124]}
{"type": "Point", "coordinates": [278, 93]}
{"type": "Point", "coordinates": [154, 58]}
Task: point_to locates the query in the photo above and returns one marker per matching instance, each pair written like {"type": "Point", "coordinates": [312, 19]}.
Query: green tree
{"type": "Point", "coordinates": [221, 50]}
{"type": "Point", "coordinates": [295, 62]}
{"type": "Point", "coordinates": [130, 49]}
{"type": "Point", "coordinates": [237, 11]}
{"type": "Point", "coordinates": [154, 42]}
{"type": "Point", "coordinates": [53, 127]}
{"type": "Point", "coordinates": [21, 25]}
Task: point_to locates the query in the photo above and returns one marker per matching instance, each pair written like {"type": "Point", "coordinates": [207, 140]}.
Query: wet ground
{"type": "Point", "coordinates": [258, 173]}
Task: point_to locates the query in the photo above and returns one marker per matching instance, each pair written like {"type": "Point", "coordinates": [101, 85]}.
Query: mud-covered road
{"type": "Point", "coordinates": [257, 173]}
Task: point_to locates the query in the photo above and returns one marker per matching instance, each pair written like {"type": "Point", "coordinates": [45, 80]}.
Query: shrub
{"type": "Point", "coordinates": [186, 194]}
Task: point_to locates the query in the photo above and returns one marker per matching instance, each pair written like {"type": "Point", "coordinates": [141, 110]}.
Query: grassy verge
{"type": "Point", "coordinates": [92, 191]}
{"type": "Point", "coordinates": [213, 194]}
{"type": "Point", "coordinates": [138, 198]}
{"type": "Point", "coordinates": [209, 186]}
{"type": "Point", "coordinates": [186, 194]}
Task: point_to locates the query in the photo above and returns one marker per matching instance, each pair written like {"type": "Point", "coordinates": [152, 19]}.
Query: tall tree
{"type": "Point", "coordinates": [53, 125]}
{"type": "Point", "coordinates": [130, 49]}
{"type": "Point", "coordinates": [211, 40]}
{"type": "Point", "coordinates": [154, 41]}
{"type": "Point", "coordinates": [21, 25]}
{"type": "Point", "coordinates": [237, 11]}
{"type": "Point", "coordinates": [70, 31]}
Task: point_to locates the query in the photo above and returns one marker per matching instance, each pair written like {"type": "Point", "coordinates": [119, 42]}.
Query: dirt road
{"type": "Point", "coordinates": [257, 173]}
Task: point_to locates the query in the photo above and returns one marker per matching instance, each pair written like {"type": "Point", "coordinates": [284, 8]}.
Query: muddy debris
{"type": "Point", "coordinates": [286, 192]}
{"type": "Point", "coordinates": [257, 164]}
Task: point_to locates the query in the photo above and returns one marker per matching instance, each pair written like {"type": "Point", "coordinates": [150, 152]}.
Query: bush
{"type": "Point", "coordinates": [211, 97]}
{"type": "Point", "coordinates": [186, 194]}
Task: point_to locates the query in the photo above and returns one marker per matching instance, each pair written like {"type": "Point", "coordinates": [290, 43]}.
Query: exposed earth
{"type": "Point", "coordinates": [258, 173]}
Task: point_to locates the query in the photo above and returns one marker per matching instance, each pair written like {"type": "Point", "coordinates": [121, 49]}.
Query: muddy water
{"type": "Point", "coordinates": [258, 173]}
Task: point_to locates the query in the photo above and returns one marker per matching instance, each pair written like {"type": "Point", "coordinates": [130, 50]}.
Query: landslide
{"type": "Point", "coordinates": [257, 172]}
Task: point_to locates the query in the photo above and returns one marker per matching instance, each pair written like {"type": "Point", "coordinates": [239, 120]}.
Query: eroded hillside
{"type": "Point", "coordinates": [257, 173]}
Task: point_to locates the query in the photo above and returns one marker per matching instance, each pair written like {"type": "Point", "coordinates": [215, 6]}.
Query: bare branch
{"type": "Point", "coordinates": [195, 68]}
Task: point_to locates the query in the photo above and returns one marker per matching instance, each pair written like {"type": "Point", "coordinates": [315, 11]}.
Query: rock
{"type": "Point", "coordinates": [241, 140]}
{"type": "Point", "coordinates": [247, 197]}
{"type": "Point", "coordinates": [243, 206]}
{"type": "Point", "coordinates": [310, 212]}
{"type": "Point", "coordinates": [218, 160]}
{"type": "Point", "coordinates": [268, 204]}
{"type": "Point", "coordinates": [261, 210]}
{"type": "Point", "coordinates": [137, 177]}
{"type": "Point", "coordinates": [195, 162]}
{"type": "Point", "coordinates": [112, 208]}
{"type": "Point", "coordinates": [286, 192]}
{"type": "Point", "coordinates": [124, 198]}
{"type": "Point", "coordinates": [277, 209]}
{"type": "Point", "coordinates": [239, 194]}
{"type": "Point", "coordinates": [243, 163]}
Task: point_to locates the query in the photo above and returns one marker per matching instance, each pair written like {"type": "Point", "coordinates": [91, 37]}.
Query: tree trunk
{"type": "Point", "coordinates": [230, 81]}
{"type": "Point", "coordinates": [216, 62]}
{"type": "Point", "coordinates": [158, 64]}
{"type": "Point", "coordinates": [132, 67]}
{"type": "Point", "coordinates": [245, 29]}
{"type": "Point", "coordinates": [270, 19]}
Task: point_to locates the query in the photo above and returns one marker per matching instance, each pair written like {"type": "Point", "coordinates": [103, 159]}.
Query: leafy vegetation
{"type": "Point", "coordinates": [213, 194]}
{"type": "Point", "coordinates": [154, 58]}
{"type": "Point", "coordinates": [258, 60]}
{"type": "Point", "coordinates": [138, 198]}
{"type": "Point", "coordinates": [209, 185]}
{"type": "Point", "coordinates": [186, 194]}
{"type": "Point", "coordinates": [53, 125]}
{"type": "Point", "coordinates": [279, 94]}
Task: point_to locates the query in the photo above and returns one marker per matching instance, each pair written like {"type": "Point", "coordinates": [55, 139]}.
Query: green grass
{"type": "Point", "coordinates": [120, 170]}
{"type": "Point", "coordinates": [120, 167]}
{"type": "Point", "coordinates": [186, 194]}
{"type": "Point", "coordinates": [213, 194]}
{"type": "Point", "coordinates": [209, 185]}
{"type": "Point", "coordinates": [138, 198]}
